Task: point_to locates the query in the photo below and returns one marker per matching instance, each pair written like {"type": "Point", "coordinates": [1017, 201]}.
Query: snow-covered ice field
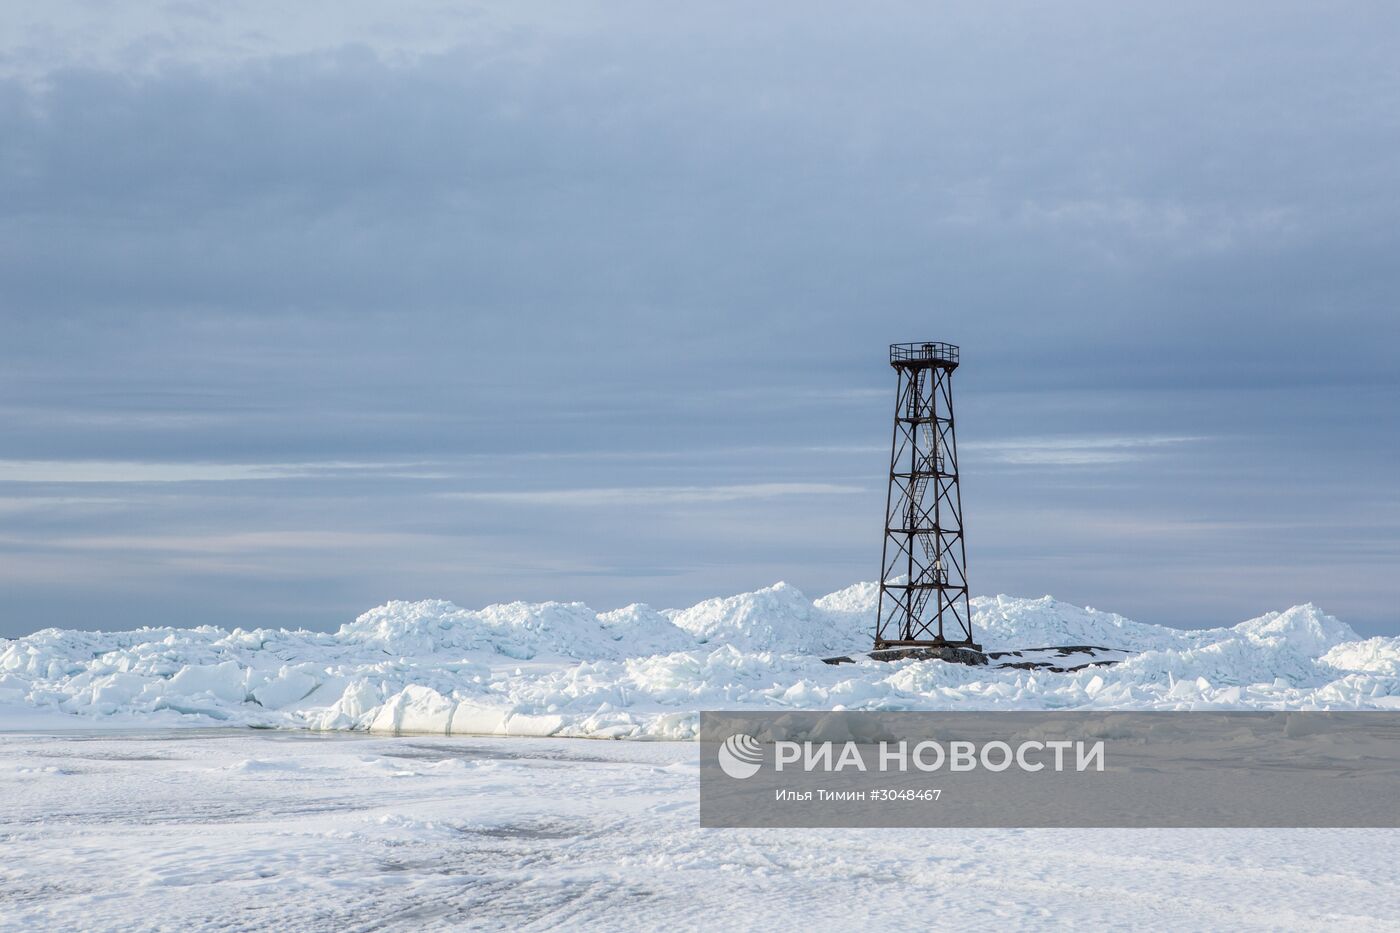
{"type": "Point", "coordinates": [241, 829]}
{"type": "Point", "coordinates": [428, 766]}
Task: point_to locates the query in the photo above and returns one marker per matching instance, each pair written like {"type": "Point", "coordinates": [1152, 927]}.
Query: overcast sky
{"type": "Point", "coordinates": [307, 311]}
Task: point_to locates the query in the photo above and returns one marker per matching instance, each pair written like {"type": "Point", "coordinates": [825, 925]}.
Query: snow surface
{"type": "Point", "coordinates": [193, 829]}
{"type": "Point", "coordinates": [563, 669]}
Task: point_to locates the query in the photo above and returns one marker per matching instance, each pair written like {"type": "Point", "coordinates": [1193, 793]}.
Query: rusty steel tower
{"type": "Point", "coordinates": [923, 573]}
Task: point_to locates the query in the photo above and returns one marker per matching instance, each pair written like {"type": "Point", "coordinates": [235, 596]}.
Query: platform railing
{"type": "Point", "coordinates": [923, 352]}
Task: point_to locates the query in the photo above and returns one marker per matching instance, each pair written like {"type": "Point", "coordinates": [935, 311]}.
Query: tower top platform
{"type": "Point", "coordinates": [923, 355]}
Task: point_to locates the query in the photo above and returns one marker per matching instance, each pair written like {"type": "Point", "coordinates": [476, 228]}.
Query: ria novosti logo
{"type": "Point", "coordinates": [740, 756]}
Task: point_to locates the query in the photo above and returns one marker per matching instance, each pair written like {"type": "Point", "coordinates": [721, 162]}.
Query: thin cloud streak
{"type": "Point", "coordinates": [1072, 451]}
{"type": "Point", "coordinates": [130, 471]}
{"type": "Point", "coordinates": [246, 542]}
{"type": "Point", "coordinates": [658, 495]}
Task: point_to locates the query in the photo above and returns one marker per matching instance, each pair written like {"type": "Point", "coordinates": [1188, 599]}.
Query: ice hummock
{"type": "Point", "coordinates": [564, 669]}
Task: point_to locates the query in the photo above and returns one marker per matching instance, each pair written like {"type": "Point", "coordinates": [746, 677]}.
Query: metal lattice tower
{"type": "Point", "coordinates": [923, 575]}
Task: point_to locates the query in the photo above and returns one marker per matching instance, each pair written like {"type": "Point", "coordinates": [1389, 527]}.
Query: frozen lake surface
{"type": "Point", "coordinates": [190, 829]}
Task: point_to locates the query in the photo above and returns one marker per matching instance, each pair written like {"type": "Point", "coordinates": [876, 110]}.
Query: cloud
{"type": "Point", "coordinates": [1071, 451]}
{"type": "Point", "coordinates": [118, 471]}
{"type": "Point", "coordinates": [658, 495]}
{"type": "Point", "coordinates": [1163, 223]}
{"type": "Point", "coordinates": [312, 266]}
{"type": "Point", "coordinates": [25, 504]}
{"type": "Point", "coordinates": [252, 542]}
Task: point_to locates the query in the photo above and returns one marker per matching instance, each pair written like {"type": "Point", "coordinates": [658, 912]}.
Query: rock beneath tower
{"type": "Point", "coordinates": [956, 654]}
{"type": "Point", "coordinates": [1058, 659]}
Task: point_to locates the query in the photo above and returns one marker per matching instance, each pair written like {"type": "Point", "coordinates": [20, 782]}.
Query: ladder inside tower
{"type": "Point", "coordinates": [930, 463]}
